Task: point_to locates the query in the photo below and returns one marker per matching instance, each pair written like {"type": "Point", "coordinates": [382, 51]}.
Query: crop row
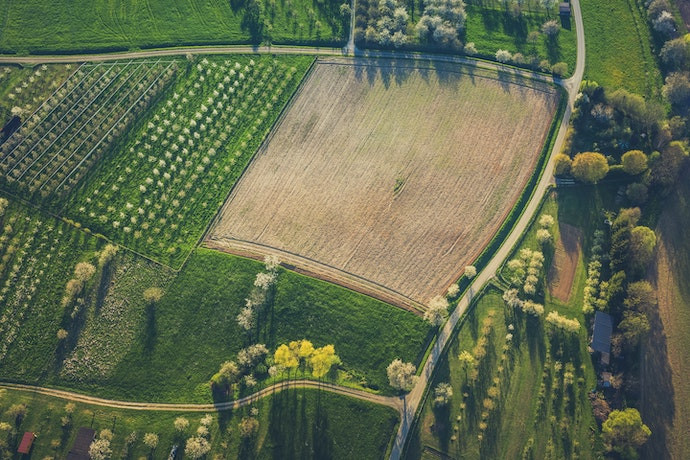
{"type": "Point", "coordinates": [29, 246]}
{"type": "Point", "coordinates": [159, 193]}
{"type": "Point", "coordinates": [65, 137]}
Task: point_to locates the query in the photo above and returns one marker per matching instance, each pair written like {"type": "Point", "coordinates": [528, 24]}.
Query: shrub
{"type": "Point", "coordinates": [634, 162]}
{"type": "Point", "coordinates": [589, 167]}
{"type": "Point", "coordinates": [562, 164]}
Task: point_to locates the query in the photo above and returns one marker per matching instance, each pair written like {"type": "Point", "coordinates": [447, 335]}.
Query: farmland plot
{"type": "Point", "coordinates": [37, 254]}
{"type": "Point", "coordinates": [171, 175]}
{"type": "Point", "coordinates": [389, 180]}
{"type": "Point", "coordinates": [67, 134]}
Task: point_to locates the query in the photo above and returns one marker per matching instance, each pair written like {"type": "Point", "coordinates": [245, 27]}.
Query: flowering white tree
{"type": "Point", "coordinates": [437, 312]}
{"type": "Point", "coordinates": [401, 376]}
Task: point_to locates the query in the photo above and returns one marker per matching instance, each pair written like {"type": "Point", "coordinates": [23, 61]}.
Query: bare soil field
{"type": "Point", "coordinates": [387, 176]}
{"type": "Point", "coordinates": [666, 358]}
{"type": "Point", "coordinates": [565, 258]}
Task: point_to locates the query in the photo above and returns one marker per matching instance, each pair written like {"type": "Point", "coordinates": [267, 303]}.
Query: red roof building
{"type": "Point", "coordinates": [27, 441]}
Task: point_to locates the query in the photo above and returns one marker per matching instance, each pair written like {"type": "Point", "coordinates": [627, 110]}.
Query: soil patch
{"type": "Point", "coordinates": [390, 174]}
{"type": "Point", "coordinates": [566, 255]}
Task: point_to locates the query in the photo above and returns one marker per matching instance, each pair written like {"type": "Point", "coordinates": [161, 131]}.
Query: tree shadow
{"type": "Point", "coordinates": [150, 329]}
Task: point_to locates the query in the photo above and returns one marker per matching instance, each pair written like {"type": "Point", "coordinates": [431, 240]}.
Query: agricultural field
{"type": "Point", "coordinates": [393, 210]}
{"type": "Point", "coordinates": [160, 188]}
{"type": "Point", "coordinates": [619, 53]}
{"type": "Point", "coordinates": [525, 395]}
{"type": "Point", "coordinates": [665, 388]}
{"type": "Point", "coordinates": [23, 89]}
{"type": "Point", "coordinates": [102, 26]}
{"type": "Point", "coordinates": [122, 349]}
{"type": "Point", "coordinates": [321, 423]}
{"type": "Point", "coordinates": [66, 136]}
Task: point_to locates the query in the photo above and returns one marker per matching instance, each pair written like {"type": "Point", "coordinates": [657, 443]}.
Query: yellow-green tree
{"type": "Point", "coordinates": [322, 360]}
{"type": "Point", "coordinates": [634, 162]}
{"type": "Point", "coordinates": [589, 167]}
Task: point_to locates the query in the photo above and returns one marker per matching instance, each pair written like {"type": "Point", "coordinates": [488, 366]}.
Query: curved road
{"type": "Point", "coordinates": [416, 396]}
{"type": "Point", "coordinates": [395, 403]}
{"type": "Point", "coordinates": [409, 405]}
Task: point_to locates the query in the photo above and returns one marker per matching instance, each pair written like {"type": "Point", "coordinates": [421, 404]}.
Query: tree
{"type": "Point", "coordinates": [62, 334]}
{"type": "Point", "coordinates": [559, 69]}
{"type": "Point", "coordinates": [322, 360]}
{"type": "Point", "coordinates": [675, 54]}
{"type": "Point", "coordinates": [634, 162]}
{"type": "Point", "coordinates": [442, 21]}
{"type": "Point", "coordinates": [197, 447]}
{"type": "Point", "coordinates": [642, 243]}
{"type": "Point", "coordinates": [466, 360]}
{"type": "Point", "coordinates": [286, 358]}
{"type": "Point", "coordinates": [666, 165]}
{"type": "Point", "coordinates": [401, 376]}
{"type": "Point", "coordinates": [636, 193]}
{"type": "Point", "coordinates": [543, 236]}
{"type": "Point", "coordinates": [640, 297]}
{"type": "Point", "coordinates": [551, 28]}
{"type": "Point", "coordinates": [562, 164]}
{"type": "Point", "coordinates": [589, 167]}
{"type": "Point", "coordinates": [83, 271]}
{"type": "Point", "coordinates": [227, 376]}
{"type": "Point", "coordinates": [151, 440]}
{"type": "Point", "coordinates": [442, 394]}
{"type": "Point", "coordinates": [106, 255]}
{"type": "Point", "coordinates": [470, 271]}
{"type": "Point", "coordinates": [634, 327]}
{"type": "Point", "coordinates": [665, 24]}
{"type": "Point", "coordinates": [600, 407]}
{"type": "Point", "coordinates": [181, 424]}
{"type": "Point", "coordinates": [437, 312]}
{"type": "Point", "coordinates": [677, 88]}
{"type": "Point", "coordinates": [503, 56]}
{"type": "Point", "coordinates": [153, 295]}
{"type": "Point", "coordinates": [248, 426]}
{"type": "Point", "coordinates": [623, 432]}
{"type": "Point", "coordinates": [100, 449]}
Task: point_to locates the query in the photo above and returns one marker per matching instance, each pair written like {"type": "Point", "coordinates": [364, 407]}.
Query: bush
{"type": "Point", "coordinates": [559, 69]}
{"type": "Point", "coordinates": [562, 164]}
{"type": "Point", "coordinates": [590, 167]}
{"type": "Point", "coordinates": [634, 162]}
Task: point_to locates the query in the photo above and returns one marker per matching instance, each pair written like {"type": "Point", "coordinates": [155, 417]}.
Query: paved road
{"type": "Point", "coordinates": [415, 397]}
{"type": "Point", "coordinates": [393, 402]}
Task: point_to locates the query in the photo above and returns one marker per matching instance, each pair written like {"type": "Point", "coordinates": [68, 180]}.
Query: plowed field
{"type": "Point", "coordinates": [389, 179]}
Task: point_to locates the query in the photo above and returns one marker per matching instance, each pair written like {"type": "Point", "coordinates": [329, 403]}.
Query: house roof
{"type": "Point", "coordinates": [564, 7]}
{"type": "Point", "coordinates": [25, 444]}
{"type": "Point", "coordinates": [601, 336]}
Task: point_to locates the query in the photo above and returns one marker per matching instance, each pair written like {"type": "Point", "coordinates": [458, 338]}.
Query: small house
{"type": "Point", "coordinates": [564, 9]}
{"type": "Point", "coordinates": [601, 335]}
{"type": "Point", "coordinates": [80, 448]}
{"type": "Point", "coordinates": [26, 443]}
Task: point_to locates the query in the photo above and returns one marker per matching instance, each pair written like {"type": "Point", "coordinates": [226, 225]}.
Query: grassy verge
{"type": "Point", "coordinates": [292, 424]}
{"type": "Point", "coordinates": [619, 47]}
{"type": "Point", "coordinates": [40, 26]}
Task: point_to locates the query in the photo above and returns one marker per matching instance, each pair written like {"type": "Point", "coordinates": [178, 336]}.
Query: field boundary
{"type": "Point", "coordinates": [315, 269]}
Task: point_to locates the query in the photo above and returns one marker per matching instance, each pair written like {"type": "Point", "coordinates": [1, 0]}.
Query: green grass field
{"type": "Point", "coordinates": [123, 351]}
{"type": "Point", "coordinates": [40, 26]}
{"type": "Point", "coordinates": [492, 29]}
{"type": "Point", "coordinates": [560, 428]}
{"type": "Point", "coordinates": [618, 47]}
{"type": "Point", "coordinates": [159, 189]}
{"type": "Point", "coordinates": [292, 424]}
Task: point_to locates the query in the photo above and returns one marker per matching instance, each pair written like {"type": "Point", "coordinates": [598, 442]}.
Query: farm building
{"type": "Point", "coordinates": [26, 443]}
{"type": "Point", "coordinates": [601, 335]}
{"type": "Point", "coordinates": [564, 9]}
{"type": "Point", "coordinates": [80, 448]}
